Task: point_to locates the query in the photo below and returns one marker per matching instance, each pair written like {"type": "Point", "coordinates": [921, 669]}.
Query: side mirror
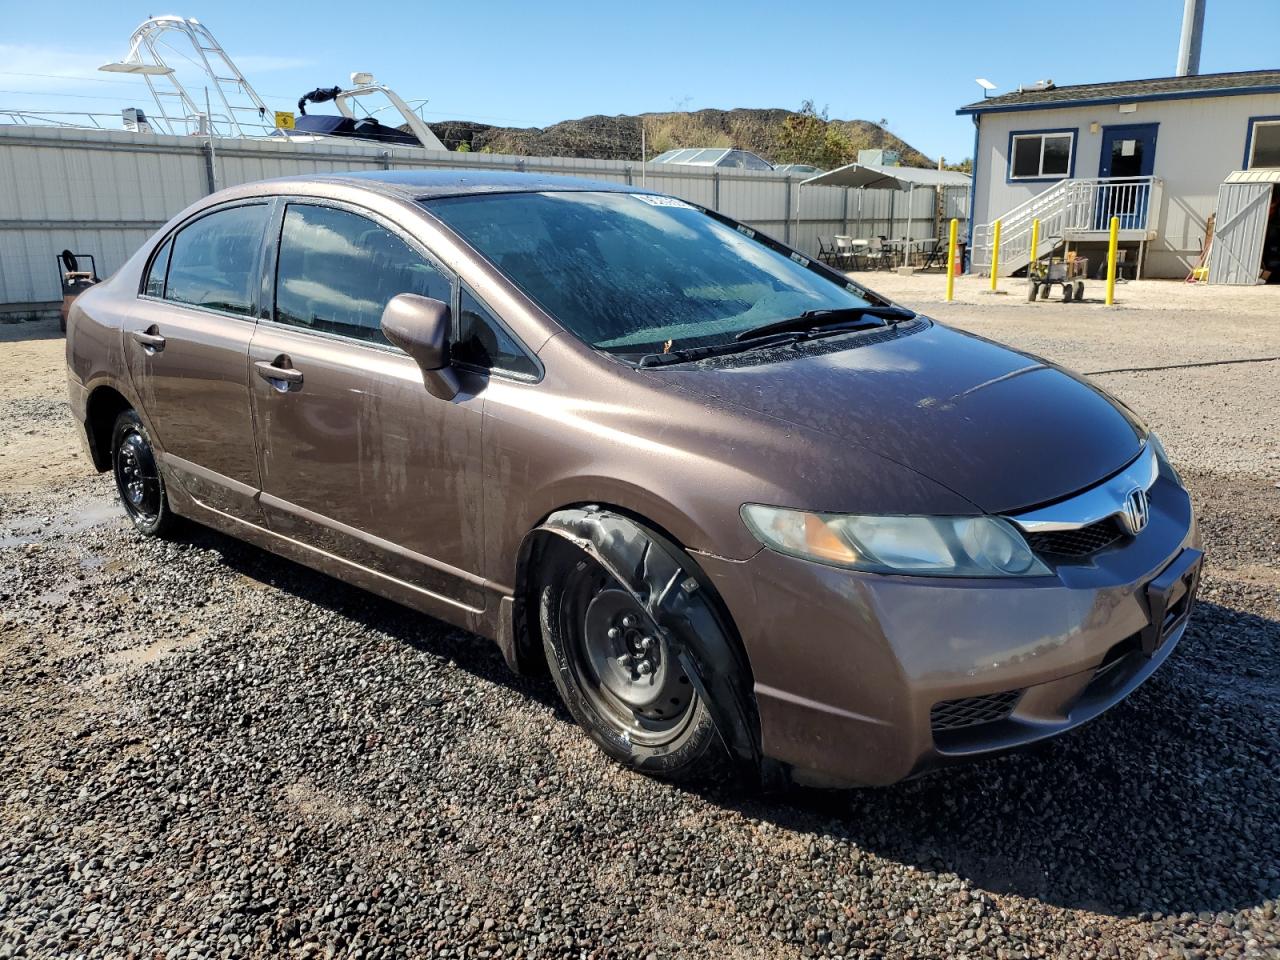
{"type": "Point", "coordinates": [420, 326]}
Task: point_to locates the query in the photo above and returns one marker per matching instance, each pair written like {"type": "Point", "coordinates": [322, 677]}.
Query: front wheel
{"type": "Point", "coordinates": [619, 675]}
{"type": "Point", "coordinates": [138, 480]}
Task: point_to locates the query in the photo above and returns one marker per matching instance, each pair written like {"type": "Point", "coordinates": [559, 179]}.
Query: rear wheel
{"type": "Point", "coordinates": [620, 676]}
{"type": "Point", "coordinates": [138, 480]}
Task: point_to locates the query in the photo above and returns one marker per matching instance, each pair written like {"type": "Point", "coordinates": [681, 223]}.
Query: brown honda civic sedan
{"type": "Point", "coordinates": [744, 511]}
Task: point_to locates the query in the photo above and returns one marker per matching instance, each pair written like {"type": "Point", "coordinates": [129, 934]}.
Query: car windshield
{"type": "Point", "coordinates": [634, 273]}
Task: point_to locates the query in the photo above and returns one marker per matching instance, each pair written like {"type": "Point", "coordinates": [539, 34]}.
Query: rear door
{"type": "Point", "coordinates": [187, 347]}
{"type": "Point", "coordinates": [357, 459]}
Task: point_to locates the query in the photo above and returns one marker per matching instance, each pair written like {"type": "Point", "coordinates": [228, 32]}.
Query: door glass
{"type": "Point", "coordinates": [483, 342]}
{"type": "Point", "coordinates": [215, 260]}
{"type": "Point", "coordinates": [159, 267]}
{"type": "Point", "coordinates": [1126, 158]}
{"type": "Point", "coordinates": [337, 270]}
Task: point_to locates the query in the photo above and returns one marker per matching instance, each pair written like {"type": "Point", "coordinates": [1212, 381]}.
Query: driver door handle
{"type": "Point", "coordinates": [278, 372]}
{"type": "Point", "coordinates": [150, 338]}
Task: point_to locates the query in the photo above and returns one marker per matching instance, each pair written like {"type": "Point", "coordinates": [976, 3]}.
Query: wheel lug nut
{"type": "Point", "coordinates": [645, 668]}
{"type": "Point", "coordinates": [614, 633]}
{"type": "Point", "coordinates": [628, 621]}
{"type": "Point", "coordinates": [644, 644]}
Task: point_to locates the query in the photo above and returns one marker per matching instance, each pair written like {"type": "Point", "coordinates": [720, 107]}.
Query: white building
{"type": "Point", "coordinates": [1151, 152]}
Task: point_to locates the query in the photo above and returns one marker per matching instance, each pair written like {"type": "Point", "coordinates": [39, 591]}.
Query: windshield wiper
{"type": "Point", "coordinates": [847, 318]}
{"type": "Point", "coordinates": [810, 324]}
{"type": "Point", "coordinates": [690, 354]}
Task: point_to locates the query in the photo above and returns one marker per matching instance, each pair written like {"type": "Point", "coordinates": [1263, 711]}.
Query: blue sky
{"type": "Point", "coordinates": [534, 63]}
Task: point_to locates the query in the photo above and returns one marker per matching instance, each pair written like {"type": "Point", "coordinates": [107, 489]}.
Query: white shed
{"type": "Point", "coordinates": [1240, 229]}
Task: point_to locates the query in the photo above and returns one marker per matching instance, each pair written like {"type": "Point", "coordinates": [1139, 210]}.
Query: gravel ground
{"type": "Point", "coordinates": [206, 751]}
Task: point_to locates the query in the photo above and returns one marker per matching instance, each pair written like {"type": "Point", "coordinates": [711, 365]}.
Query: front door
{"type": "Point", "coordinates": [187, 348]}
{"type": "Point", "coordinates": [358, 460]}
{"type": "Point", "coordinates": [1128, 152]}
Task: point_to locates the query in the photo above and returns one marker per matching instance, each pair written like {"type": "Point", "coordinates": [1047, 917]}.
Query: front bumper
{"type": "Point", "coordinates": [849, 667]}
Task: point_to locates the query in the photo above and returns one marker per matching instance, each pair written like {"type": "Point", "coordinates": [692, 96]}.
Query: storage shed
{"type": "Point", "coordinates": [1246, 209]}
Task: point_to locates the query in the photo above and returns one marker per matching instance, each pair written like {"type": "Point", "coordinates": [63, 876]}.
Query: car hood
{"type": "Point", "coordinates": [1000, 428]}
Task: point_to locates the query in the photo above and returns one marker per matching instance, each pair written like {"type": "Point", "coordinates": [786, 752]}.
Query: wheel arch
{"type": "Point", "coordinates": [622, 541]}
{"type": "Point", "coordinates": [104, 404]}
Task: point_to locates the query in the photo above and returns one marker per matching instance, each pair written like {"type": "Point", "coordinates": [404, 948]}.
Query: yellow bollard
{"type": "Point", "coordinates": [995, 255]}
{"type": "Point", "coordinates": [1035, 240]}
{"type": "Point", "coordinates": [1112, 247]}
{"type": "Point", "coordinates": [951, 261]}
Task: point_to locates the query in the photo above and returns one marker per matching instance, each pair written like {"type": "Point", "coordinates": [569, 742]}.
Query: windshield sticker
{"type": "Point", "coordinates": [656, 200]}
{"type": "Point", "coordinates": [803, 261]}
{"type": "Point", "coordinates": [746, 231]}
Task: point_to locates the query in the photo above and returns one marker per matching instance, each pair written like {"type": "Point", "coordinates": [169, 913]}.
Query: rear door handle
{"type": "Point", "coordinates": [279, 373]}
{"type": "Point", "coordinates": [150, 339]}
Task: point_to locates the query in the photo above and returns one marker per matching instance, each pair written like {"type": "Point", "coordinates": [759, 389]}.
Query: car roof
{"type": "Point", "coordinates": [431, 184]}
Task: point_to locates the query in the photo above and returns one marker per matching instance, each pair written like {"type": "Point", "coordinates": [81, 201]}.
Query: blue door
{"type": "Point", "coordinates": [1128, 151]}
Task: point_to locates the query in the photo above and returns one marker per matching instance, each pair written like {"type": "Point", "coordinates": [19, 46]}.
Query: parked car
{"type": "Point", "coordinates": [741, 508]}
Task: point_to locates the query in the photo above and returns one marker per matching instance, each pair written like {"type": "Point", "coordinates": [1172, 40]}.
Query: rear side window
{"type": "Point", "coordinates": [484, 343]}
{"type": "Point", "coordinates": [337, 270]}
{"type": "Point", "coordinates": [159, 267]}
{"type": "Point", "coordinates": [215, 260]}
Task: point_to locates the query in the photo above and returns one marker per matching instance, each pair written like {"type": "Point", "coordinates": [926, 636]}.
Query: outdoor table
{"type": "Point", "coordinates": [897, 249]}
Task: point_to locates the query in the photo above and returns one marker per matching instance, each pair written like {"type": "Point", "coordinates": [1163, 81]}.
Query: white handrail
{"type": "Point", "coordinates": [1078, 205]}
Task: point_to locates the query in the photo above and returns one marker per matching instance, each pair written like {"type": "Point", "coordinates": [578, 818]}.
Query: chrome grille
{"type": "Point", "coordinates": [1076, 543]}
{"type": "Point", "coordinates": [971, 711]}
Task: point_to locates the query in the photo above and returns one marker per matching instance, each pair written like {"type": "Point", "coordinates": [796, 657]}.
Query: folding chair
{"type": "Point", "coordinates": [827, 254]}
{"type": "Point", "coordinates": [844, 252]}
{"type": "Point", "coordinates": [937, 256]}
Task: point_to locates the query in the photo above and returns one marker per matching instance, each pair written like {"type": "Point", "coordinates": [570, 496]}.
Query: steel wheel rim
{"type": "Point", "coordinates": [640, 687]}
{"type": "Point", "coordinates": [137, 479]}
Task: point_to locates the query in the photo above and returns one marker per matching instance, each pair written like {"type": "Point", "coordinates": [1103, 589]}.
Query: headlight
{"type": "Point", "coordinates": [924, 546]}
{"type": "Point", "coordinates": [1165, 465]}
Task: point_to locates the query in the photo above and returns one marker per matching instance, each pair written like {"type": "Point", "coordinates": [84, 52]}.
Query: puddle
{"type": "Point", "coordinates": [78, 518]}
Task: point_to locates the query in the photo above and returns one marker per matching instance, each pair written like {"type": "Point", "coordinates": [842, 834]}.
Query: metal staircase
{"type": "Point", "coordinates": [1070, 210]}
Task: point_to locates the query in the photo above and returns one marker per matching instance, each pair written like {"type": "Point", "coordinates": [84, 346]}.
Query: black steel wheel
{"type": "Point", "coordinates": [623, 664]}
{"type": "Point", "coordinates": [138, 480]}
{"type": "Point", "coordinates": [620, 675]}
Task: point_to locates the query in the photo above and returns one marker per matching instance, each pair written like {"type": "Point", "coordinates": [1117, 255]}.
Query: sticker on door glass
{"type": "Point", "coordinates": [656, 200]}
{"type": "Point", "coordinates": [1128, 147]}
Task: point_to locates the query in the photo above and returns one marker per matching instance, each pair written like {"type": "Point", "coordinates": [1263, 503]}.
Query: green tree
{"type": "Point", "coordinates": [808, 136]}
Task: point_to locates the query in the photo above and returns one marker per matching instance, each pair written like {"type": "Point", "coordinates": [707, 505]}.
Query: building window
{"type": "Point", "coordinates": [1041, 156]}
{"type": "Point", "coordinates": [1264, 143]}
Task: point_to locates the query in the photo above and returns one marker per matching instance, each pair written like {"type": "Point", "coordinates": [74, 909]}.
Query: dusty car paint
{"type": "Point", "coordinates": [360, 472]}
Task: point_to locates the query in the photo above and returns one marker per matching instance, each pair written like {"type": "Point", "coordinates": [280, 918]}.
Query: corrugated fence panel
{"type": "Point", "coordinates": [103, 192]}
{"type": "Point", "coordinates": [1239, 231]}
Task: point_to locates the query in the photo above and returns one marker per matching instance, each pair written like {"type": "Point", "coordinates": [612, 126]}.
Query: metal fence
{"type": "Point", "coordinates": [103, 192]}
